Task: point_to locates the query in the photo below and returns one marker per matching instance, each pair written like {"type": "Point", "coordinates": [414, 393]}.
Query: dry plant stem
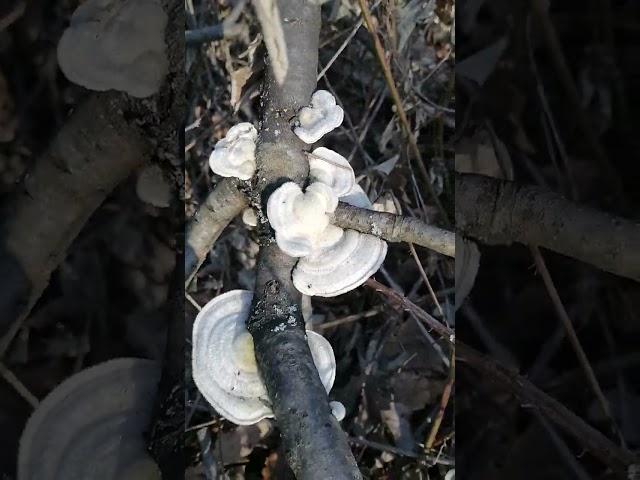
{"type": "Point", "coordinates": [315, 446]}
{"type": "Point", "coordinates": [497, 212]}
{"type": "Point", "coordinates": [530, 396]}
{"type": "Point", "coordinates": [395, 228]}
{"type": "Point", "coordinates": [94, 151]}
{"type": "Point", "coordinates": [209, 34]}
{"type": "Point", "coordinates": [540, 9]}
{"type": "Point", "coordinates": [222, 205]}
{"type": "Point", "coordinates": [395, 95]}
{"type": "Point", "coordinates": [444, 331]}
{"type": "Point", "coordinates": [573, 337]}
{"type": "Point", "coordinates": [18, 386]}
{"type": "Point", "coordinates": [414, 254]}
{"type": "Point", "coordinates": [444, 401]}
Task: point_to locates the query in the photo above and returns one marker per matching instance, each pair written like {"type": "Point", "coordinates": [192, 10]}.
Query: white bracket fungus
{"type": "Point", "coordinates": [318, 119]}
{"type": "Point", "coordinates": [91, 426]}
{"type": "Point", "coordinates": [223, 361]}
{"type": "Point", "coordinates": [235, 154]}
{"type": "Point", "coordinates": [344, 265]}
{"type": "Point", "coordinates": [331, 168]}
{"type": "Point", "coordinates": [116, 45]}
{"type": "Point", "coordinates": [338, 410]}
{"type": "Point", "coordinates": [300, 219]}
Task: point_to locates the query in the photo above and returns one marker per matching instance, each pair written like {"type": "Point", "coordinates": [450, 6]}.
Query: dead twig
{"type": "Point", "coordinates": [444, 331]}
{"type": "Point", "coordinates": [531, 397]}
{"type": "Point", "coordinates": [404, 121]}
{"type": "Point", "coordinates": [444, 401]}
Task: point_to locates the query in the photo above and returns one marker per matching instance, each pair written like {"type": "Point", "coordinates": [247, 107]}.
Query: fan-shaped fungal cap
{"type": "Point", "coordinates": [338, 269]}
{"type": "Point", "coordinates": [300, 219]}
{"type": "Point", "coordinates": [116, 45]}
{"type": "Point", "coordinates": [249, 217]}
{"type": "Point", "coordinates": [344, 265]}
{"type": "Point", "coordinates": [91, 426]}
{"type": "Point", "coordinates": [331, 168]}
{"type": "Point", "coordinates": [321, 117]}
{"type": "Point", "coordinates": [223, 362]}
{"type": "Point", "coordinates": [235, 154]}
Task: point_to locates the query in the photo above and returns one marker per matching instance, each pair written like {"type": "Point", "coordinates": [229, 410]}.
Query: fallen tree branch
{"type": "Point", "coordinates": [498, 212]}
{"type": "Point", "coordinates": [315, 446]}
{"type": "Point", "coordinates": [94, 151]}
{"type": "Point", "coordinates": [532, 397]}
{"type": "Point", "coordinates": [441, 329]}
{"type": "Point", "coordinates": [395, 228]}
{"type": "Point", "coordinates": [212, 33]}
{"type": "Point", "coordinates": [222, 205]}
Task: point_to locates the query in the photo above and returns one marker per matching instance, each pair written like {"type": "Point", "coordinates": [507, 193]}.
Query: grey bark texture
{"type": "Point", "coordinates": [315, 445]}
{"type": "Point", "coordinates": [498, 212]}
{"type": "Point", "coordinates": [395, 228]}
{"type": "Point", "coordinates": [221, 206]}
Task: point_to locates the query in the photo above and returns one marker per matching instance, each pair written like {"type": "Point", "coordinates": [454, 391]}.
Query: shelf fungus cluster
{"type": "Point", "coordinates": [116, 45]}
{"type": "Point", "coordinates": [224, 366]}
{"type": "Point", "coordinates": [92, 426]}
{"type": "Point", "coordinates": [331, 261]}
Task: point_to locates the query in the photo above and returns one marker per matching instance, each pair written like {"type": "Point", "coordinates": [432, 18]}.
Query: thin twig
{"type": "Point", "coordinates": [340, 50]}
{"type": "Point", "coordinates": [439, 459]}
{"type": "Point", "coordinates": [573, 337]}
{"type": "Point", "coordinates": [426, 281]}
{"type": "Point", "coordinates": [404, 121]}
{"type": "Point", "coordinates": [444, 331]}
{"type": "Point", "coordinates": [348, 319]}
{"type": "Point", "coordinates": [18, 386]}
{"type": "Point", "coordinates": [444, 401]}
{"type": "Point", "coordinates": [532, 397]}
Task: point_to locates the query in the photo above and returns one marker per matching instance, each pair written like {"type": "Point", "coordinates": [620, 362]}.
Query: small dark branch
{"type": "Point", "coordinates": [395, 228]}
{"type": "Point", "coordinates": [222, 205]}
{"type": "Point", "coordinates": [407, 305]}
{"type": "Point", "coordinates": [315, 445]}
{"type": "Point", "coordinates": [531, 397]}
{"type": "Point", "coordinates": [94, 151]}
{"type": "Point", "coordinates": [210, 34]}
{"type": "Point", "coordinates": [498, 212]}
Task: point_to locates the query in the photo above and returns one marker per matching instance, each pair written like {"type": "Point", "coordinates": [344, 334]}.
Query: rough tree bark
{"type": "Point", "coordinates": [499, 212]}
{"type": "Point", "coordinates": [315, 445]}
{"type": "Point", "coordinates": [222, 205]}
{"type": "Point", "coordinates": [396, 228]}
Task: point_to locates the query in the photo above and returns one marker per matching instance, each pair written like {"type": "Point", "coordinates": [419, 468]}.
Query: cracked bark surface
{"type": "Point", "coordinates": [498, 212]}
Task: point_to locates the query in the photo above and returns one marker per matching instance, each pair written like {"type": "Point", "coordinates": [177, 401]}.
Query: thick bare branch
{"type": "Point", "coordinates": [499, 212]}
{"type": "Point", "coordinates": [396, 228]}
{"type": "Point", "coordinates": [315, 445]}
